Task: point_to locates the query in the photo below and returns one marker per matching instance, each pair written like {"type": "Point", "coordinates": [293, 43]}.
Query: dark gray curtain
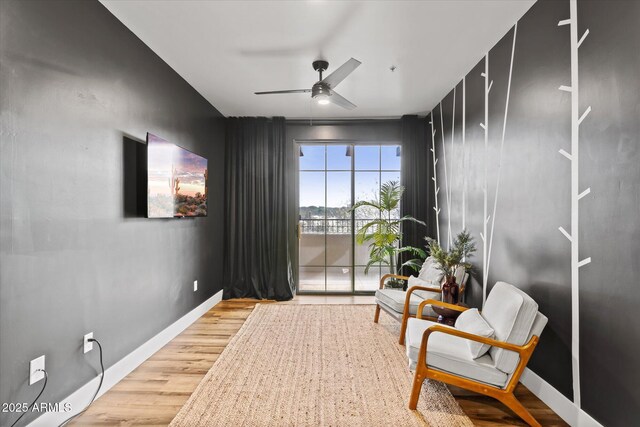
{"type": "Point", "coordinates": [417, 169]}
{"type": "Point", "coordinates": [256, 259]}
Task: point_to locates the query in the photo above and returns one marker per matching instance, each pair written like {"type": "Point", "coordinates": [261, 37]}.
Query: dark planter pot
{"type": "Point", "coordinates": [451, 291]}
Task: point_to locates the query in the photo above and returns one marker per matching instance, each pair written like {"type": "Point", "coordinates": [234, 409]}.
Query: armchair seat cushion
{"type": "Point", "coordinates": [451, 354]}
{"type": "Point", "coordinates": [395, 298]}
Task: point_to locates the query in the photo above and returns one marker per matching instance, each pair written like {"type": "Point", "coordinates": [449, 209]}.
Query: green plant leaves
{"type": "Point", "coordinates": [384, 234]}
{"type": "Point", "coordinates": [448, 261]}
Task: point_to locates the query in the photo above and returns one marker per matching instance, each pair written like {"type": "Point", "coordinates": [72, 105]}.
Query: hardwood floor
{"type": "Point", "coordinates": [153, 393]}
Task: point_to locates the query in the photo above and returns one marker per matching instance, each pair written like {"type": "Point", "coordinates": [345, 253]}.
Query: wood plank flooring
{"type": "Point", "coordinates": [154, 393]}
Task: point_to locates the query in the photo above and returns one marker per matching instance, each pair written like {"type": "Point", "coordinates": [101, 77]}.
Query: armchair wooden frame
{"type": "Point", "coordinates": [405, 311]}
{"type": "Point", "coordinates": [506, 396]}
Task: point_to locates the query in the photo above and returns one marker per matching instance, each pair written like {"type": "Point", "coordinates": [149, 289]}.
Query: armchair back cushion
{"type": "Point", "coordinates": [538, 326]}
{"type": "Point", "coordinates": [422, 295]}
{"type": "Point", "coordinates": [429, 276]}
{"type": "Point", "coordinates": [511, 313]}
{"type": "Point", "coordinates": [416, 281]}
{"type": "Point", "coordinates": [430, 272]}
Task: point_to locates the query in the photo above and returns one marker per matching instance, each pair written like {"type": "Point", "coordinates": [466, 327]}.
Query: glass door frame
{"type": "Point", "coordinates": [297, 143]}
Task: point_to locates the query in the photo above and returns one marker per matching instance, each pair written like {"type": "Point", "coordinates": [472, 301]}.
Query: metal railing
{"type": "Point", "coordinates": [330, 225]}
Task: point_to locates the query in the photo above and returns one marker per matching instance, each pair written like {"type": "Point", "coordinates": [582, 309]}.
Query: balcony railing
{"type": "Point", "coordinates": [331, 225]}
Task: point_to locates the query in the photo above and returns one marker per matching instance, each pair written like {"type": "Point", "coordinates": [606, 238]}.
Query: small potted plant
{"type": "Point", "coordinates": [449, 261]}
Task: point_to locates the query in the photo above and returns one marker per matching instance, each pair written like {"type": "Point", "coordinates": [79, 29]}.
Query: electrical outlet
{"type": "Point", "coordinates": [88, 345]}
{"type": "Point", "coordinates": [195, 285]}
{"type": "Point", "coordinates": [34, 374]}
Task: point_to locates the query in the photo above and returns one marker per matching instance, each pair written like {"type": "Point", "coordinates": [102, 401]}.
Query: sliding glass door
{"type": "Point", "coordinates": [332, 177]}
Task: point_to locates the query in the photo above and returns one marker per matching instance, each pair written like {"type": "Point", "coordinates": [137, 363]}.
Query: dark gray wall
{"type": "Point", "coordinates": [79, 92]}
{"type": "Point", "coordinates": [610, 220]}
{"type": "Point", "coordinates": [534, 195]}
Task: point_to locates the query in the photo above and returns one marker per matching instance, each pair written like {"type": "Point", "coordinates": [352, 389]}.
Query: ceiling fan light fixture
{"type": "Point", "coordinates": [320, 93]}
{"type": "Point", "coordinates": [322, 99]}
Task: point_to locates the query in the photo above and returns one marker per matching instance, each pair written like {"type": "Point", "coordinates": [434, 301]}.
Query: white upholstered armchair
{"type": "Point", "coordinates": [401, 305]}
{"type": "Point", "coordinates": [485, 352]}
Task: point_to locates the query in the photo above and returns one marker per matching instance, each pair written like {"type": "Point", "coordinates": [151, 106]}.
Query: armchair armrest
{"type": "Point", "coordinates": [484, 340]}
{"type": "Point", "coordinates": [439, 304]}
{"type": "Point", "coordinates": [388, 276]}
{"type": "Point", "coordinates": [523, 350]}
{"type": "Point", "coordinates": [422, 288]}
{"type": "Point", "coordinates": [407, 298]}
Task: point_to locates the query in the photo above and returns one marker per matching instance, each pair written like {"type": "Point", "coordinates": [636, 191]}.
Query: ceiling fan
{"type": "Point", "coordinates": [322, 91]}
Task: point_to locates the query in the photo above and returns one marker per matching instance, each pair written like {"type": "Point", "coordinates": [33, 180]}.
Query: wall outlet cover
{"type": "Point", "coordinates": [34, 374]}
{"type": "Point", "coordinates": [195, 285]}
{"type": "Point", "coordinates": [88, 345]}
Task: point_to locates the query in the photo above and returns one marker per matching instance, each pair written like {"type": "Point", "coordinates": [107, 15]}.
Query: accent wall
{"type": "Point", "coordinates": [538, 149]}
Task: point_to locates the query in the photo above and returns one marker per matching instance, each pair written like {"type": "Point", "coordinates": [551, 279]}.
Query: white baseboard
{"type": "Point", "coordinates": [557, 401]}
{"type": "Point", "coordinates": [124, 366]}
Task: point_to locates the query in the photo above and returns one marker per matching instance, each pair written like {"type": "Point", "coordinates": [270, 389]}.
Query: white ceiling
{"type": "Point", "coordinates": [229, 49]}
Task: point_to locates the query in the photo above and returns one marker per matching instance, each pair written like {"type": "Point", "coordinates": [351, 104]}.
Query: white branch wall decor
{"type": "Point", "coordinates": [446, 179]}
{"type": "Point", "coordinates": [464, 154]}
{"type": "Point", "coordinates": [436, 189]}
{"type": "Point", "coordinates": [451, 165]}
{"type": "Point", "coordinates": [487, 228]}
{"type": "Point", "coordinates": [504, 131]}
{"type": "Point", "coordinates": [485, 214]}
{"type": "Point", "coordinates": [576, 194]}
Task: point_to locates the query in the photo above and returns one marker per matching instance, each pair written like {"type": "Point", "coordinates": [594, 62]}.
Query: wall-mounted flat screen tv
{"type": "Point", "coordinates": [176, 181]}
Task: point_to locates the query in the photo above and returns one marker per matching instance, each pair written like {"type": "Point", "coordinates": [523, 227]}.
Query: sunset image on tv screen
{"type": "Point", "coordinates": [177, 180]}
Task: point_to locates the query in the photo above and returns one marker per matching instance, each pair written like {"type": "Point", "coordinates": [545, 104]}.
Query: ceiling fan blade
{"type": "Point", "coordinates": [341, 101]}
{"type": "Point", "coordinates": [341, 73]}
{"type": "Point", "coordinates": [284, 91]}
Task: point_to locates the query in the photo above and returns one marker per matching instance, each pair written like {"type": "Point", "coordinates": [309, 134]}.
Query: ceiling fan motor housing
{"type": "Point", "coordinates": [320, 89]}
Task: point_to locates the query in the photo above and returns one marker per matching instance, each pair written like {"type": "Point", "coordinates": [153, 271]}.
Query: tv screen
{"type": "Point", "coordinates": [176, 181]}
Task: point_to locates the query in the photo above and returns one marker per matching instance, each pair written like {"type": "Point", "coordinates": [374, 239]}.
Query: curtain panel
{"type": "Point", "coordinates": [417, 170]}
{"type": "Point", "coordinates": [257, 258]}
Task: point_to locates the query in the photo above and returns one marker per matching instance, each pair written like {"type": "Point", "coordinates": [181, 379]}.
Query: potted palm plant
{"type": "Point", "coordinates": [384, 234]}
{"type": "Point", "coordinates": [449, 261]}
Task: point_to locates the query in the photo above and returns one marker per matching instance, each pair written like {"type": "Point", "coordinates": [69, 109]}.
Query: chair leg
{"type": "Point", "coordinates": [512, 403]}
{"type": "Point", "coordinates": [403, 328]}
{"type": "Point", "coordinates": [376, 317]}
{"type": "Point", "coordinates": [418, 379]}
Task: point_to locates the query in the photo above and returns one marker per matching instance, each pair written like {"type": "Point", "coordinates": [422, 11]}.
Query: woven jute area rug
{"type": "Point", "coordinates": [315, 365]}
